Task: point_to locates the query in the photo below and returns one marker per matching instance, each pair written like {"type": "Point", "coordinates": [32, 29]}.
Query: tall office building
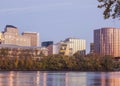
{"type": "Point", "coordinates": [10, 35]}
{"type": "Point", "coordinates": [107, 41]}
{"type": "Point", "coordinates": [33, 36]}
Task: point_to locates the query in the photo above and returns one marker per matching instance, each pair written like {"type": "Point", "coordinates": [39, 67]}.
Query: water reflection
{"type": "Point", "coordinates": [103, 79]}
{"type": "Point", "coordinates": [76, 79]}
{"type": "Point", "coordinates": [37, 78]}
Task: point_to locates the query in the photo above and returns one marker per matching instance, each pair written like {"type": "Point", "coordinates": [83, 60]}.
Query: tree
{"type": "Point", "coordinates": [78, 55]}
{"type": "Point", "coordinates": [112, 8]}
{"type": "Point", "coordinates": [4, 52]}
{"type": "Point", "coordinates": [107, 63]}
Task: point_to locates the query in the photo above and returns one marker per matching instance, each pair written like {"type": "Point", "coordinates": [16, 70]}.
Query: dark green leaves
{"type": "Point", "coordinates": [111, 8]}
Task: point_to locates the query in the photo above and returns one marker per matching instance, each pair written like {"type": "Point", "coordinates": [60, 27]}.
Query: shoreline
{"type": "Point", "coordinates": [57, 71]}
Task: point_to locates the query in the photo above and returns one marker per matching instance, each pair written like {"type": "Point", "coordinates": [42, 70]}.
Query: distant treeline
{"type": "Point", "coordinates": [77, 62]}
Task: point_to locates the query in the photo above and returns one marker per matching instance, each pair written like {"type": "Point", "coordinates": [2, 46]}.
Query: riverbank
{"type": "Point", "coordinates": [60, 63]}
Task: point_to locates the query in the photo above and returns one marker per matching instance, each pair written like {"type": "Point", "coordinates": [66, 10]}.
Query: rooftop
{"type": "Point", "coordinates": [10, 26]}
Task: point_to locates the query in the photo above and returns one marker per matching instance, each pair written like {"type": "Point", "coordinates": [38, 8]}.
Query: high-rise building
{"type": "Point", "coordinates": [33, 36]}
{"type": "Point", "coordinates": [107, 41]}
{"type": "Point", "coordinates": [11, 36]}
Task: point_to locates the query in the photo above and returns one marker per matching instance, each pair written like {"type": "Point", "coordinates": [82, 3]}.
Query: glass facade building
{"type": "Point", "coordinates": [47, 43]}
{"type": "Point", "coordinates": [107, 41]}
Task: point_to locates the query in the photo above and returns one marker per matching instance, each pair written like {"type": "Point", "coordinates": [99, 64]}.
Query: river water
{"type": "Point", "coordinates": [38, 78]}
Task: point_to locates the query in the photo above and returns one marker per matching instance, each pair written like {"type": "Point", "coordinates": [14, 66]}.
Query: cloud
{"type": "Point", "coordinates": [36, 8]}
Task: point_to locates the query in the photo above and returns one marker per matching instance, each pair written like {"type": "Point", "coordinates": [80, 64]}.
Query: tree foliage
{"type": "Point", "coordinates": [60, 63]}
{"type": "Point", "coordinates": [90, 62]}
{"type": "Point", "coordinates": [111, 8]}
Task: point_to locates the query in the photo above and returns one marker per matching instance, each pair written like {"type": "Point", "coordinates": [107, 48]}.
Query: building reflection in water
{"type": "Point", "coordinates": [76, 79]}
{"type": "Point", "coordinates": [42, 79]}
{"type": "Point", "coordinates": [11, 80]}
{"type": "Point", "coordinates": [103, 79]}
{"type": "Point", "coordinates": [55, 79]}
{"type": "Point", "coordinates": [64, 79]}
{"type": "Point", "coordinates": [37, 78]}
{"type": "Point", "coordinates": [6, 79]}
{"type": "Point", "coordinates": [114, 79]}
{"type": "Point", "coordinates": [96, 79]}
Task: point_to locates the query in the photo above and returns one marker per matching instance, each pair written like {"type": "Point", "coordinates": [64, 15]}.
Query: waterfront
{"type": "Point", "coordinates": [38, 78]}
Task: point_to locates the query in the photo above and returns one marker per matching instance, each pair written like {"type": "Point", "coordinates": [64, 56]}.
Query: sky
{"type": "Point", "coordinates": [55, 20]}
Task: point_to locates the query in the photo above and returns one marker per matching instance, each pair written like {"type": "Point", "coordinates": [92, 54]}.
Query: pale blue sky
{"type": "Point", "coordinates": [55, 19]}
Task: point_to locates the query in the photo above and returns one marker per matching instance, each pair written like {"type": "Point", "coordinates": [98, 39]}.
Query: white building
{"type": "Point", "coordinates": [72, 45]}
{"type": "Point", "coordinates": [53, 49]}
{"type": "Point", "coordinates": [76, 45]}
{"type": "Point", "coordinates": [68, 47]}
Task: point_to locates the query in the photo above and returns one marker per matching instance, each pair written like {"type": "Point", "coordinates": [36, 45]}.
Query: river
{"type": "Point", "coordinates": [40, 78]}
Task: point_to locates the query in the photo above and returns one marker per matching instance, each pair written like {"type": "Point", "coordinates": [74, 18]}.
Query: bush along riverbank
{"type": "Point", "coordinates": [60, 63]}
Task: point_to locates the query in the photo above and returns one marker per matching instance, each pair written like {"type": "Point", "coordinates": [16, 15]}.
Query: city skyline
{"type": "Point", "coordinates": [55, 20]}
{"type": "Point", "coordinates": [59, 42]}
{"type": "Point", "coordinates": [11, 28]}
